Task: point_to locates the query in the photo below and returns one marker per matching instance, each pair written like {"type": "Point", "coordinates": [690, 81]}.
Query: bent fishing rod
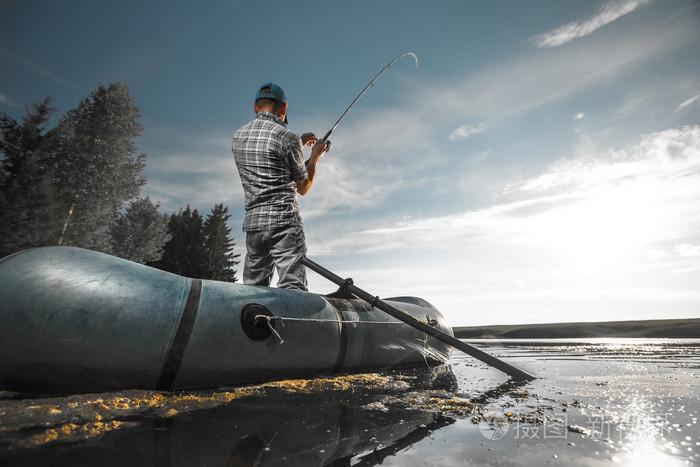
{"type": "Point", "coordinates": [363, 91]}
{"type": "Point", "coordinates": [347, 284]}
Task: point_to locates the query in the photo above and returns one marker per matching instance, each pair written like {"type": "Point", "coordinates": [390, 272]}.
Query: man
{"type": "Point", "coordinates": [272, 169]}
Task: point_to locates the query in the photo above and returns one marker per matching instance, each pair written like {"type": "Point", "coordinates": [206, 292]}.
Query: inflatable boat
{"type": "Point", "coordinates": [77, 320]}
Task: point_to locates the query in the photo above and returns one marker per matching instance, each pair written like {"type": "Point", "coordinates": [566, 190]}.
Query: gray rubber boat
{"type": "Point", "coordinates": [78, 320]}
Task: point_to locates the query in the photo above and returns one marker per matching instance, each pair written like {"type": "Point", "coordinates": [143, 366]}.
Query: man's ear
{"type": "Point", "coordinates": [283, 109]}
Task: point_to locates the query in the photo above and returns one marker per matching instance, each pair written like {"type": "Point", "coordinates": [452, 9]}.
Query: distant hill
{"type": "Point", "coordinates": [679, 328]}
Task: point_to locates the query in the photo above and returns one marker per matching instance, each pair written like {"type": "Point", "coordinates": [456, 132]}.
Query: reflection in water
{"type": "Point", "coordinates": [306, 430]}
{"type": "Point", "coordinates": [378, 456]}
{"type": "Point", "coordinates": [281, 424]}
{"type": "Point", "coordinates": [614, 403]}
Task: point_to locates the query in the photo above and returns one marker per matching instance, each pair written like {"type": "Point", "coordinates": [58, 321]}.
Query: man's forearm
{"type": "Point", "coordinates": [316, 152]}
{"type": "Point", "coordinates": [311, 168]}
{"type": "Point", "coordinates": [310, 174]}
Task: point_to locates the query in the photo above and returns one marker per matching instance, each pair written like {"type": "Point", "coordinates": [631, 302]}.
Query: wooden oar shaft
{"type": "Point", "coordinates": [505, 367]}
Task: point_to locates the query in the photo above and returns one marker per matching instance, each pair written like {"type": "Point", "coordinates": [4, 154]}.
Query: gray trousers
{"type": "Point", "coordinates": [281, 248]}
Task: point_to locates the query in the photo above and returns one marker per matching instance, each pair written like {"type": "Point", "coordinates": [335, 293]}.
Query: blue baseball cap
{"type": "Point", "coordinates": [272, 91]}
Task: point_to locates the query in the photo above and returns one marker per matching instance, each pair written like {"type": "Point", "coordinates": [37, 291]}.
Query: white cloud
{"type": "Point", "coordinates": [538, 78]}
{"type": "Point", "coordinates": [686, 103]}
{"type": "Point", "coordinates": [579, 116]}
{"type": "Point", "coordinates": [688, 250]}
{"type": "Point", "coordinates": [466, 131]}
{"type": "Point", "coordinates": [378, 152]}
{"type": "Point", "coordinates": [657, 254]}
{"type": "Point", "coordinates": [201, 193]}
{"type": "Point", "coordinates": [634, 102]}
{"type": "Point", "coordinates": [663, 155]}
{"type": "Point", "coordinates": [586, 234]}
{"type": "Point", "coordinates": [610, 11]}
{"type": "Point", "coordinates": [468, 262]}
{"type": "Point", "coordinates": [201, 176]}
{"type": "Point", "coordinates": [375, 154]}
{"type": "Point", "coordinates": [194, 163]}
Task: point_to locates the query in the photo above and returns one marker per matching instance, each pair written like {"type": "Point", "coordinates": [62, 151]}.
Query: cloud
{"type": "Point", "coordinates": [36, 69]}
{"type": "Point", "coordinates": [672, 153]}
{"type": "Point", "coordinates": [540, 78]}
{"type": "Point", "coordinates": [688, 250]}
{"type": "Point", "coordinates": [581, 232]}
{"type": "Point", "coordinates": [201, 172]}
{"type": "Point", "coordinates": [195, 163]}
{"type": "Point", "coordinates": [388, 156]}
{"type": "Point", "coordinates": [4, 100]}
{"type": "Point", "coordinates": [380, 152]}
{"type": "Point", "coordinates": [610, 11]}
{"type": "Point", "coordinates": [376, 154]}
{"type": "Point", "coordinates": [372, 157]}
{"type": "Point", "coordinates": [579, 116]}
{"type": "Point", "coordinates": [466, 131]}
{"type": "Point", "coordinates": [686, 103]}
{"type": "Point", "coordinates": [200, 192]}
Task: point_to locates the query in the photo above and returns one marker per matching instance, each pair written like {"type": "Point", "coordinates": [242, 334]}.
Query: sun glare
{"type": "Point", "coordinates": [610, 227]}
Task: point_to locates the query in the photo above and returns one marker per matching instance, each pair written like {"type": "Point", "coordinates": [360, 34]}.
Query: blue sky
{"type": "Point", "coordinates": [543, 164]}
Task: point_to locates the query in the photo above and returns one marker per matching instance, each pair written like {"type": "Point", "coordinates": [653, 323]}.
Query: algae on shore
{"type": "Point", "coordinates": [85, 416]}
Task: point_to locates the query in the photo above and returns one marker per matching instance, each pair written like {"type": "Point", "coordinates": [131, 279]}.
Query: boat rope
{"type": "Point", "coordinates": [425, 351]}
{"type": "Point", "coordinates": [318, 320]}
{"type": "Point", "coordinates": [270, 319]}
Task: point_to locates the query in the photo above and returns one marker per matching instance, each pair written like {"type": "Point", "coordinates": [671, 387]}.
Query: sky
{"type": "Point", "coordinates": [541, 165]}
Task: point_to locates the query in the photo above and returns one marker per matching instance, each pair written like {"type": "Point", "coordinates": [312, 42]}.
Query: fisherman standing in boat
{"type": "Point", "coordinates": [272, 169]}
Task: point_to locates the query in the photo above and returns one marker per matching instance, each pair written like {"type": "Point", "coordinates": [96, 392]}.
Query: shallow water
{"type": "Point", "coordinates": [597, 402]}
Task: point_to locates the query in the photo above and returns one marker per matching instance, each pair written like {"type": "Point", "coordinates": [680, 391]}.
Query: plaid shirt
{"type": "Point", "coordinates": [270, 162]}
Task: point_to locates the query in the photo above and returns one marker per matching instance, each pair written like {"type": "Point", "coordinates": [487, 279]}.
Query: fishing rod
{"type": "Point", "coordinates": [363, 91]}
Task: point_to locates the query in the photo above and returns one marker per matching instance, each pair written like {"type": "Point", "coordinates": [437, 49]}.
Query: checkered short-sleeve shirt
{"type": "Point", "coordinates": [270, 162]}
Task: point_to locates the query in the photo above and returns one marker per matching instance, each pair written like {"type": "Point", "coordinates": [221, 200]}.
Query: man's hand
{"type": "Point", "coordinates": [318, 150]}
{"type": "Point", "coordinates": [308, 139]}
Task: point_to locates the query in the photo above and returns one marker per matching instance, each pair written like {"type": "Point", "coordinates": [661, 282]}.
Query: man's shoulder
{"type": "Point", "coordinates": [287, 134]}
{"type": "Point", "coordinates": [262, 125]}
{"type": "Point", "coordinates": [282, 134]}
{"type": "Point", "coordinates": [245, 128]}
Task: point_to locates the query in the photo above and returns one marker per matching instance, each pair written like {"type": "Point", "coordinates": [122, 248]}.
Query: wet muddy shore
{"type": "Point", "coordinates": [597, 402]}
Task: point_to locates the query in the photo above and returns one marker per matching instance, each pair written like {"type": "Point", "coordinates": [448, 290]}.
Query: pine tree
{"type": "Point", "coordinates": [140, 232]}
{"type": "Point", "coordinates": [184, 253]}
{"type": "Point", "coordinates": [96, 165]}
{"type": "Point", "coordinates": [29, 208]}
{"type": "Point", "coordinates": [219, 246]}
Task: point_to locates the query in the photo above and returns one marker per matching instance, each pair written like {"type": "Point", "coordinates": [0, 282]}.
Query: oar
{"type": "Point", "coordinates": [347, 284]}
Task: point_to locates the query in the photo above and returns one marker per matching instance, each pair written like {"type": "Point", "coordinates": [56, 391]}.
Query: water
{"type": "Point", "coordinates": [597, 402]}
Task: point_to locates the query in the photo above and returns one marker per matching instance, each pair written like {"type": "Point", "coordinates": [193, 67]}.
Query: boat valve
{"type": "Point", "coordinates": [257, 321]}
